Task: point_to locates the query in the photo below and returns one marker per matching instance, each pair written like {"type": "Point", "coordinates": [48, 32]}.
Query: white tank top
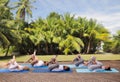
{"type": "Point", "coordinates": [40, 63]}
{"type": "Point", "coordinates": [60, 68]}
{"type": "Point", "coordinates": [12, 65]}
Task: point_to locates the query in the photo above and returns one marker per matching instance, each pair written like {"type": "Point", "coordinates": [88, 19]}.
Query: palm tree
{"type": "Point", "coordinates": [36, 34]}
{"type": "Point", "coordinates": [116, 43]}
{"type": "Point", "coordinates": [5, 17]}
{"type": "Point", "coordinates": [3, 40]}
{"type": "Point", "coordinates": [4, 9]}
{"type": "Point", "coordinates": [9, 35]}
{"type": "Point", "coordinates": [71, 44]}
{"type": "Point", "coordinates": [91, 32]}
{"type": "Point", "coordinates": [65, 33]}
{"type": "Point", "coordinates": [24, 7]}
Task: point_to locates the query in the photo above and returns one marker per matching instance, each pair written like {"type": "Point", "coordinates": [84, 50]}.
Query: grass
{"type": "Point", "coordinates": [68, 57]}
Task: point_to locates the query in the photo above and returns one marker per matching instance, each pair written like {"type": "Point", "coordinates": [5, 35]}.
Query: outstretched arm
{"type": "Point", "coordinates": [55, 56]}
{"type": "Point", "coordinates": [33, 57]}
{"type": "Point", "coordinates": [53, 60]}
{"type": "Point", "coordinates": [28, 60]}
{"type": "Point", "coordinates": [34, 53]}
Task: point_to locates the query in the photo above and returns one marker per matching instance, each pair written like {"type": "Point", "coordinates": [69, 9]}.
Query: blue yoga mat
{"type": "Point", "coordinates": [45, 70]}
{"type": "Point", "coordinates": [113, 70]}
{"type": "Point", "coordinates": [73, 66]}
{"type": "Point", "coordinates": [8, 71]}
{"type": "Point", "coordinates": [30, 66]}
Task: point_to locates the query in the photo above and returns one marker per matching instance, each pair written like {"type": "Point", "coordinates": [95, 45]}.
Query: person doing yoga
{"type": "Point", "coordinates": [53, 60]}
{"type": "Point", "coordinates": [78, 60]}
{"type": "Point", "coordinates": [93, 64]}
{"type": "Point", "coordinates": [12, 65]}
{"type": "Point", "coordinates": [54, 65]}
{"type": "Point", "coordinates": [35, 61]}
{"type": "Point", "coordinates": [57, 67]}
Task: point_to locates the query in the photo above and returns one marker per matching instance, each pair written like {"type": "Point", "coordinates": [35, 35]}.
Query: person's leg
{"type": "Point", "coordinates": [52, 66]}
{"type": "Point", "coordinates": [12, 67]}
{"type": "Point", "coordinates": [99, 63]}
{"type": "Point", "coordinates": [93, 67]}
{"type": "Point", "coordinates": [3, 65]}
{"type": "Point", "coordinates": [79, 62]}
{"type": "Point", "coordinates": [53, 61]}
{"type": "Point", "coordinates": [75, 60]}
{"type": "Point", "coordinates": [34, 62]}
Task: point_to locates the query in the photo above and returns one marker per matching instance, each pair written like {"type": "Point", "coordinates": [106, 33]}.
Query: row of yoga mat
{"type": "Point", "coordinates": [44, 69]}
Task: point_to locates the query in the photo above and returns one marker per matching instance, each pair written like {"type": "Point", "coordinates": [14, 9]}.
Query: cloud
{"type": "Point", "coordinates": [106, 12]}
{"type": "Point", "coordinates": [116, 7]}
{"type": "Point", "coordinates": [110, 21]}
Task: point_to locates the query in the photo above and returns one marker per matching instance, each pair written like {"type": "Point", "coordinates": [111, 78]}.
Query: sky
{"type": "Point", "coordinates": [106, 12]}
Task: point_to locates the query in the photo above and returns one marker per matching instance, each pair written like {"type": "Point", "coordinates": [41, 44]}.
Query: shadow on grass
{"type": "Point", "coordinates": [5, 57]}
{"type": "Point", "coordinates": [9, 57]}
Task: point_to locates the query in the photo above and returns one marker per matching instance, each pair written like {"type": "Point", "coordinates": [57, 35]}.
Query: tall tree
{"type": "Point", "coordinates": [4, 13]}
{"type": "Point", "coordinates": [64, 34]}
{"type": "Point", "coordinates": [116, 43]}
{"type": "Point", "coordinates": [71, 44]}
{"type": "Point", "coordinates": [24, 8]}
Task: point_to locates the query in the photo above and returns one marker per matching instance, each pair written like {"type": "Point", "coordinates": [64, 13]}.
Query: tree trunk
{"type": "Point", "coordinates": [39, 49]}
{"type": "Point", "coordinates": [51, 49]}
{"type": "Point", "coordinates": [89, 45]}
{"type": "Point", "coordinates": [6, 54]}
{"type": "Point", "coordinates": [22, 15]}
{"type": "Point", "coordinates": [46, 48]}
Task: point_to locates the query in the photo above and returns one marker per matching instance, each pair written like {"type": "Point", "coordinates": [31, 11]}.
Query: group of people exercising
{"type": "Point", "coordinates": [53, 64]}
{"type": "Point", "coordinates": [92, 63]}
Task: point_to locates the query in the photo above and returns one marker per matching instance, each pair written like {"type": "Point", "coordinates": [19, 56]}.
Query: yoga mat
{"type": "Point", "coordinates": [45, 70]}
{"type": "Point", "coordinates": [73, 66]}
{"type": "Point", "coordinates": [113, 70]}
{"type": "Point", "coordinates": [8, 71]}
{"type": "Point", "coordinates": [30, 66]}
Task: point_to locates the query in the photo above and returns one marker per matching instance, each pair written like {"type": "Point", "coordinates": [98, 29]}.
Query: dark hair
{"type": "Point", "coordinates": [67, 69]}
{"type": "Point", "coordinates": [46, 63]}
{"type": "Point", "coordinates": [109, 68]}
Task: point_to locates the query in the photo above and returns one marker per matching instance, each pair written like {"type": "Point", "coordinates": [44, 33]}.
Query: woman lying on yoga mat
{"type": "Point", "coordinates": [54, 65]}
{"type": "Point", "coordinates": [78, 60]}
{"type": "Point", "coordinates": [57, 67]}
{"type": "Point", "coordinates": [35, 61]}
{"type": "Point", "coordinates": [12, 65]}
{"type": "Point", "coordinates": [93, 64]}
{"type": "Point", "coordinates": [97, 66]}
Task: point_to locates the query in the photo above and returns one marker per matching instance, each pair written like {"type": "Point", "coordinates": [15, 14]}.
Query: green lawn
{"type": "Point", "coordinates": [69, 57]}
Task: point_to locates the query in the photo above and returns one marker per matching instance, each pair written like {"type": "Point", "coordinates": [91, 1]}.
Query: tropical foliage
{"type": "Point", "coordinates": [56, 34]}
{"type": "Point", "coordinates": [23, 9]}
{"type": "Point", "coordinates": [116, 43]}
